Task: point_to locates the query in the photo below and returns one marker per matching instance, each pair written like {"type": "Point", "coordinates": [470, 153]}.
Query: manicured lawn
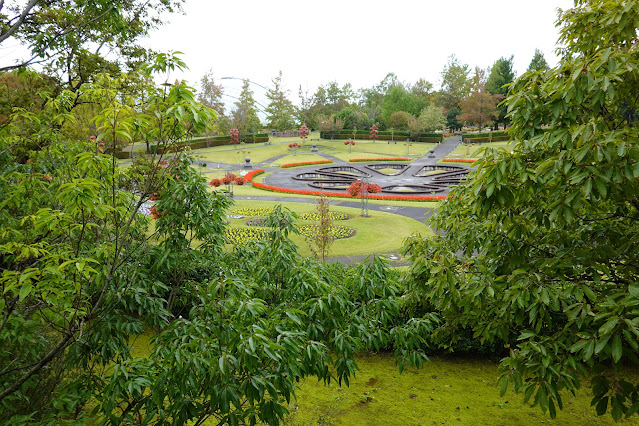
{"type": "Point", "coordinates": [448, 390]}
{"type": "Point", "coordinates": [380, 233]}
{"type": "Point", "coordinates": [472, 151]}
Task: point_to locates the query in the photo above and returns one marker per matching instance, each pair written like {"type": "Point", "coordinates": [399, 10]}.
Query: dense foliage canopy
{"type": "Point", "coordinates": [541, 246]}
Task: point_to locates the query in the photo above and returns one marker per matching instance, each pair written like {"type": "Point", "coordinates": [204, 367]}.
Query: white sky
{"type": "Point", "coordinates": [352, 41]}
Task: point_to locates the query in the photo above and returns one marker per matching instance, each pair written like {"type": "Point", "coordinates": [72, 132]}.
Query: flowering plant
{"type": "Point", "coordinates": [459, 160]}
{"type": "Point", "coordinates": [357, 160]}
{"type": "Point", "coordinates": [250, 175]}
{"type": "Point", "coordinates": [305, 163]}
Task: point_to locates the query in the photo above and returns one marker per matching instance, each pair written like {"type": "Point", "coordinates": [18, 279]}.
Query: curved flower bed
{"type": "Point", "coordinates": [315, 216]}
{"type": "Point", "coordinates": [253, 211]}
{"type": "Point", "coordinates": [459, 160]}
{"type": "Point", "coordinates": [337, 232]}
{"type": "Point", "coordinates": [305, 163]}
{"type": "Point", "coordinates": [343, 195]}
{"type": "Point", "coordinates": [250, 175]}
{"type": "Point", "coordinates": [359, 160]}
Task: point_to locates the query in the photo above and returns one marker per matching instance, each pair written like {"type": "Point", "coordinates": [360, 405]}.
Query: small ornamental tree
{"type": "Point", "coordinates": [235, 136]}
{"type": "Point", "coordinates": [294, 146]}
{"type": "Point", "coordinates": [373, 135]}
{"type": "Point", "coordinates": [303, 132]}
{"type": "Point", "coordinates": [322, 239]}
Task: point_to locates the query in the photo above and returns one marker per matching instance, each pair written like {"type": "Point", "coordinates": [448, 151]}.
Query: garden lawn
{"type": "Point", "coordinates": [380, 233]}
{"type": "Point", "coordinates": [448, 390]}
{"type": "Point", "coordinates": [472, 151]}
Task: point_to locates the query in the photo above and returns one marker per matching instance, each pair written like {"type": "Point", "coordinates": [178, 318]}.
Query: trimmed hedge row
{"type": "Point", "coordinates": [484, 135]}
{"type": "Point", "coordinates": [398, 136]}
{"type": "Point", "coordinates": [488, 140]}
{"type": "Point", "coordinates": [209, 142]}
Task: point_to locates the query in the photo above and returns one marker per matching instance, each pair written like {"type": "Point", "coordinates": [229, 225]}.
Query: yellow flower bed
{"type": "Point", "coordinates": [336, 232]}
{"type": "Point", "coordinates": [315, 216]}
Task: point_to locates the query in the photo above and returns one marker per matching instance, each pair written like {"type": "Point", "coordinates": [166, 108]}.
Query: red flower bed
{"type": "Point", "coordinates": [342, 195]}
{"type": "Point", "coordinates": [357, 160]}
{"type": "Point", "coordinates": [307, 163]}
{"type": "Point", "coordinates": [458, 160]}
{"type": "Point", "coordinates": [250, 175]}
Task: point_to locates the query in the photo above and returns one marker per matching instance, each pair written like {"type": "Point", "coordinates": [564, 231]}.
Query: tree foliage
{"type": "Point", "coordinates": [538, 62]}
{"type": "Point", "coordinates": [456, 84]}
{"type": "Point", "coordinates": [501, 75]}
{"type": "Point", "coordinates": [211, 93]}
{"type": "Point", "coordinates": [245, 113]}
{"type": "Point", "coordinates": [433, 118]}
{"type": "Point", "coordinates": [280, 111]}
{"type": "Point", "coordinates": [540, 246]}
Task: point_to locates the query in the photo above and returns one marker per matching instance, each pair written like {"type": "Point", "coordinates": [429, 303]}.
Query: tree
{"type": "Point", "coordinates": [538, 62]}
{"type": "Point", "coordinates": [416, 128]}
{"type": "Point", "coordinates": [70, 302]}
{"type": "Point", "coordinates": [322, 239]}
{"type": "Point", "coordinates": [399, 120]}
{"type": "Point", "coordinates": [71, 39]}
{"type": "Point", "coordinates": [211, 93]}
{"type": "Point", "coordinates": [280, 111]}
{"type": "Point", "coordinates": [455, 83]}
{"type": "Point", "coordinates": [451, 119]}
{"type": "Point", "coordinates": [331, 125]}
{"type": "Point", "coordinates": [501, 75]}
{"type": "Point", "coordinates": [245, 114]}
{"type": "Point", "coordinates": [432, 118]}
{"type": "Point", "coordinates": [539, 248]}
{"type": "Point", "coordinates": [479, 108]}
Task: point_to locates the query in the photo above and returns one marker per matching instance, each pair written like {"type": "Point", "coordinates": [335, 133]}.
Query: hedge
{"type": "Point", "coordinates": [210, 142]}
{"type": "Point", "coordinates": [488, 140]}
{"type": "Point", "coordinates": [385, 136]}
{"type": "Point", "coordinates": [484, 135]}
{"type": "Point", "coordinates": [122, 155]}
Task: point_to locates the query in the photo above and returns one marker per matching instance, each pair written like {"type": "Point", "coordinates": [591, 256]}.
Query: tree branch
{"type": "Point", "coordinates": [23, 16]}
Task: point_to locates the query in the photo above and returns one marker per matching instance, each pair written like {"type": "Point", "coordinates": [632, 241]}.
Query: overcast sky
{"type": "Point", "coordinates": [357, 42]}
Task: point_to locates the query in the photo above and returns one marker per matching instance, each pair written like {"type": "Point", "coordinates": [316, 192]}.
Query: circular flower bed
{"type": "Point", "coordinates": [253, 211]}
{"type": "Point", "coordinates": [337, 232]}
{"type": "Point", "coordinates": [315, 216]}
{"type": "Point", "coordinates": [245, 235]}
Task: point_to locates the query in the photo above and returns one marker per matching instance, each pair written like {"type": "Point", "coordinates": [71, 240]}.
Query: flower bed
{"type": "Point", "coordinates": [337, 232]}
{"type": "Point", "coordinates": [245, 235]}
{"type": "Point", "coordinates": [250, 175]}
{"type": "Point", "coordinates": [359, 160]}
{"type": "Point", "coordinates": [315, 216]}
{"type": "Point", "coordinates": [343, 195]}
{"type": "Point", "coordinates": [459, 160]}
{"type": "Point", "coordinates": [253, 211]}
{"type": "Point", "coordinates": [305, 163]}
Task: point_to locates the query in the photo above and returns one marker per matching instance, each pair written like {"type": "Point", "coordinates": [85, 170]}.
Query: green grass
{"type": "Point", "coordinates": [447, 390]}
{"type": "Point", "coordinates": [472, 150]}
{"type": "Point", "coordinates": [380, 233]}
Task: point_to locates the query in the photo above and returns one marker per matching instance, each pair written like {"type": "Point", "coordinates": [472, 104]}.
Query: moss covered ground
{"type": "Point", "coordinates": [448, 390]}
